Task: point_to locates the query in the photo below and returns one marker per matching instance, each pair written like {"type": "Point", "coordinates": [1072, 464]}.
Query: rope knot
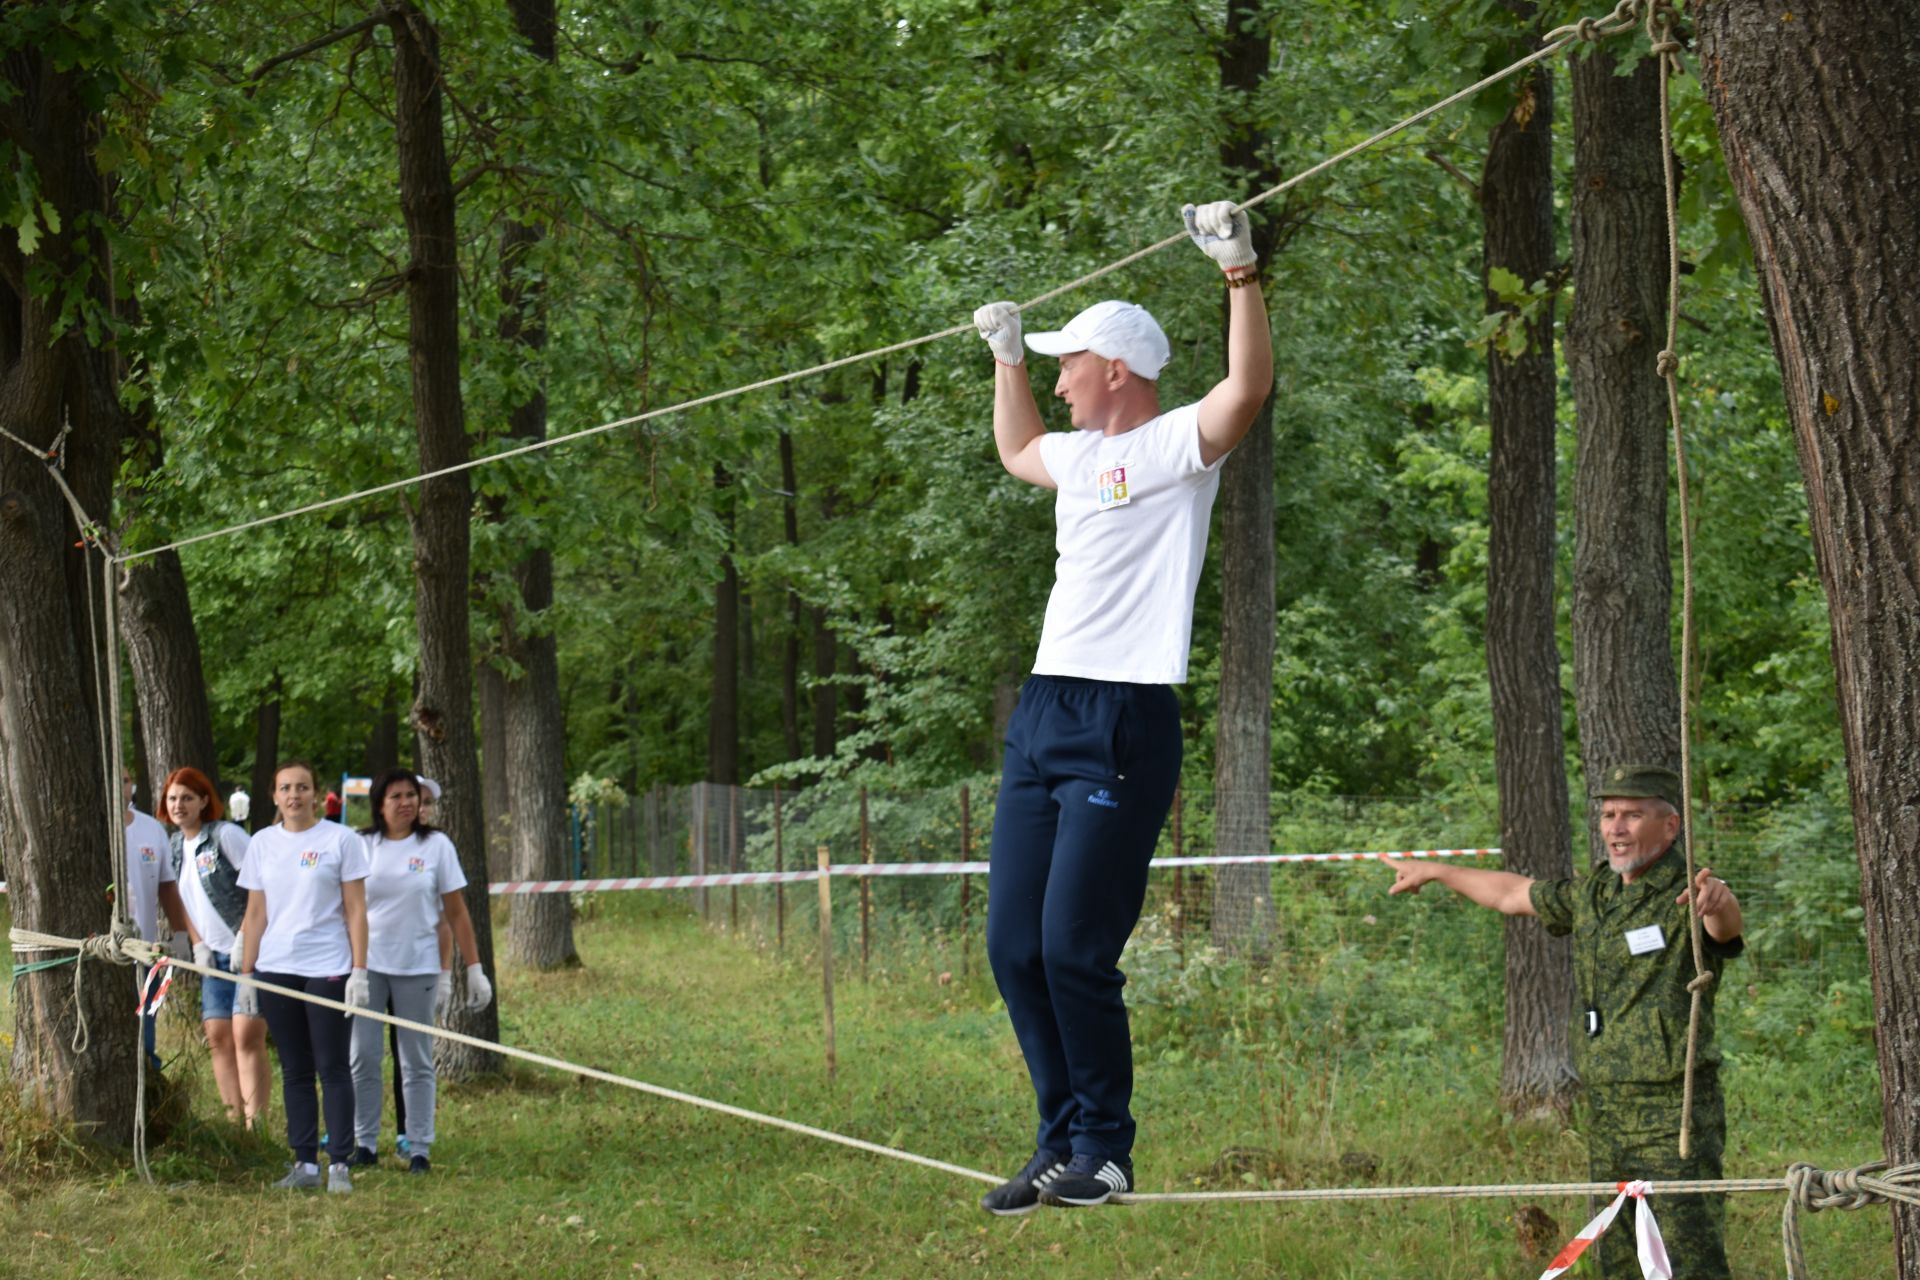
{"type": "Point", "coordinates": [1701, 981]}
{"type": "Point", "coordinates": [1667, 363]}
{"type": "Point", "coordinates": [1813, 1188]}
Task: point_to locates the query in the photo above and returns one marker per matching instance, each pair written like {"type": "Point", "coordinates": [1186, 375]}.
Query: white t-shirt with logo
{"type": "Point", "coordinates": [149, 864]}
{"type": "Point", "coordinates": [301, 873]}
{"type": "Point", "coordinates": [197, 854]}
{"type": "Point", "coordinates": [1131, 531]}
{"type": "Point", "coordinates": [404, 901]}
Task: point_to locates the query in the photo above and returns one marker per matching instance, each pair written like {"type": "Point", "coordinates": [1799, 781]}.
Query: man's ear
{"type": "Point", "coordinates": [1118, 374]}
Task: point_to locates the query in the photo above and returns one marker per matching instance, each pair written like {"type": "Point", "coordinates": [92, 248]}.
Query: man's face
{"type": "Point", "coordinates": [1636, 830]}
{"type": "Point", "coordinates": [1083, 385]}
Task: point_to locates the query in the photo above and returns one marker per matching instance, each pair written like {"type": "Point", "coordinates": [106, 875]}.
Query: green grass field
{"type": "Point", "coordinates": [1313, 1075]}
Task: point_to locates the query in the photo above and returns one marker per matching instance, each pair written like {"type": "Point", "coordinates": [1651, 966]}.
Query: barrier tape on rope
{"type": "Point", "coordinates": [1652, 1250]}
{"type": "Point", "coordinates": [870, 869]}
{"type": "Point", "coordinates": [150, 1000]}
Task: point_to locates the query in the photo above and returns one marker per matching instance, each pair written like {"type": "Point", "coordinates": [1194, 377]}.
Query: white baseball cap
{"type": "Point", "coordinates": [428, 785]}
{"type": "Point", "coordinates": [1115, 330]}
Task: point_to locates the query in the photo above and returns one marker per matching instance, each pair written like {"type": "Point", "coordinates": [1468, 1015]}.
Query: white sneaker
{"type": "Point", "coordinates": [302, 1177]}
{"type": "Point", "coordinates": [339, 1178]}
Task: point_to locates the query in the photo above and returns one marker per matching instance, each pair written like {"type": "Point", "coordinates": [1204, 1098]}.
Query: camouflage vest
{"type": "Point", "coordinates": [219, 878]}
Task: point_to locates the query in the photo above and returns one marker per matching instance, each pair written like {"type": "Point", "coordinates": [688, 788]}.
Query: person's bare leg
{"type": "Point", "coordinates": [226, 1073]}
{"type": "Point", "coordinates": [250, 1058]}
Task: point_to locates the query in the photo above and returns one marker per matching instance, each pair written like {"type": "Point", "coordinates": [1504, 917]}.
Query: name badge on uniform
{"type": "Point", "coordinates": [1112, 487]}
{"type": "Point", "coordinates": [1641, 941]}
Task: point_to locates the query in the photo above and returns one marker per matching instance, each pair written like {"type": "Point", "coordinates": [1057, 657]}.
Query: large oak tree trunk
{"type": "Point", "coordinates": [1627, 697]}
{"type": "Point", "coordinates": [68, 830]}
{"type": "Point", "coordinates": [443, 704]}
{"type": "Point", "coordinates": [1523, 656]}
{"type": "Point", "coordinates": [1820, 127]}
{"type": "Point", "coordinates": [541, 933]}
{"type": "Point", "coordinates": [1244, 919]}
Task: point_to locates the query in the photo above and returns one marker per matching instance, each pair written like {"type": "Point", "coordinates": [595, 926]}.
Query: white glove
{"type": "Point", "coordinates": [239, 805]}
{"type": "Point", "coordinates": [179, 947]}
{"type": "Point", "coordinates": [442, 994]}
{"type": "Point", "coordinates": [246, 1001]}
{"type": "Point", "coordinates": [1222, 233]}
{"type": "Point", "coordinates": [203, 953]}
{"type": "Point", "coordinates": [999, 324]}
{"type": "Point", "coordinates": [359, 990]}
{"type": "Point", "coordinates": [479, 990]}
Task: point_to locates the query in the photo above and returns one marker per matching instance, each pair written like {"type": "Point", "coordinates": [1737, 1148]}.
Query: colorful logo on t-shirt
{"type": "Point", "coordinates": [204, 858]}
{"type": "Point", "coordinates": [1111, 488]}
{"type": "Point", "coordinates": [309, 858]}
{"type": "Point", "coordinates": [147, 853]}
{"type": "Point", "coordinates": [416, 865]}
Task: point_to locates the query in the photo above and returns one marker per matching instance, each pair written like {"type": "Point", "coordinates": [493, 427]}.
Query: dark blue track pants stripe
{"type": "Point", "coordinates": [1085, 787]}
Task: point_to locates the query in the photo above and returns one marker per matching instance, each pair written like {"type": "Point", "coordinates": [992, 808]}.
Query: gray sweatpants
{"type": "Point", "coordinates": [412, 997]}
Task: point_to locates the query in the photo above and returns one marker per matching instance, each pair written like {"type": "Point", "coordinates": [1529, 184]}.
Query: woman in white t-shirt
{"type": "Point", "coordinates": [306, 930]}
{"type": "Point", "coordinates": [415, 879]}
{"type": "Point", "coordinates": [207, 856]}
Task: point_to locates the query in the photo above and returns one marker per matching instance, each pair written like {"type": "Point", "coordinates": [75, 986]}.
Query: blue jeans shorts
{"type": "Point", "coordinates": [216, 994]}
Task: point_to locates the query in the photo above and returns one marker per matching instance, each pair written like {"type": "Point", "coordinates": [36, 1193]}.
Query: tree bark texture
{"type": "Point", "coordinates": [1625, 690]}
{"type": "Point", "coordinates": [68, 830]}
{"type": "Point", "coordinates": [790, 639]}
{"type": "Point", "coordinates": [1523, 656]}
{"type": "Point", "coordinates": [1820, 127]}
{"type": "Point", "coordinates": [493, 771]}
{"type": "Point", "coordinates": [1244, 918]}
{"type": "Point", "coordinates": [443, 704]}
{"type": "Point", "coordinates": [266, 756]}
{"type": "Point", "coordinates": [723, 707]}
{"type": "Point", "coordinates": [541, 932]}
{"type": "Point", "coordinates": [156, 619]}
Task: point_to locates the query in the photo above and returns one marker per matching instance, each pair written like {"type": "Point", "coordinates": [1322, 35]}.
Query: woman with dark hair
{"type": "Point", "coordinates": [306, 930]}
{"type": "Point", "coordinates": [207, 856]}
{"type": "Point", "coordinates": [415, 878]}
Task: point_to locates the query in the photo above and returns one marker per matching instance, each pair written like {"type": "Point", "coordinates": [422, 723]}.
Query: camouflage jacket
{"type": "Point", "coordinates": [1637, 985]}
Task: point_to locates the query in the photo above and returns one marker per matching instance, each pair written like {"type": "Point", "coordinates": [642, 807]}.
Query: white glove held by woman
{"type": "Point", "coordinates": [359, 990]}
{"type": "Point", "coordinates": [442, 994]}
{"type": "Point", "coordinates": [479, 990]}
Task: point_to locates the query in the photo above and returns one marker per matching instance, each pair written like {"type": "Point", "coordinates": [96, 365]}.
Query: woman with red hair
{"type": "Point", "coordinates": [207, 856]}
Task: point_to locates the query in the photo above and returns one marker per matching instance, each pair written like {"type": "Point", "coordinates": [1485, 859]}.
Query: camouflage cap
{"type": "Point", "coordinates": [1640, 780]}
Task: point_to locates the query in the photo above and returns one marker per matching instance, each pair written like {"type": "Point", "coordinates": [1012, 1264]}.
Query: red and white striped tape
{"type": "Point", "coordinates": [1654, 1264]}
{"type": "Point", "coordinates": [151, 1000]}
{"type": "Point", "coordinates": [859, 869]}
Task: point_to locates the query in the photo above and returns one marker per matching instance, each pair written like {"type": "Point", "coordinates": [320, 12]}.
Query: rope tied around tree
{"type": "Point", "coordinates": [1814, 1189]}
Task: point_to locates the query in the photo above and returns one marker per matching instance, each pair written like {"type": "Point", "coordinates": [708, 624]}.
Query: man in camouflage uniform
{"type": "Point", "coordinates": [1633, 959]}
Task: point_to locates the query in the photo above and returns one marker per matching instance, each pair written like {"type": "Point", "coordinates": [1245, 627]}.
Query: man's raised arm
{"type": "Point", "coordinates": [1017, 427]}
{"type": "Point", "coordinates": [1227, 411]}
{"type": "Point", "coordinates": [1505, 891]}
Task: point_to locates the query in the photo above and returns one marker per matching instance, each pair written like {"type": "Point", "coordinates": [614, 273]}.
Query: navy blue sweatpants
{"type": "Point", "coordinates": [1086, 783]}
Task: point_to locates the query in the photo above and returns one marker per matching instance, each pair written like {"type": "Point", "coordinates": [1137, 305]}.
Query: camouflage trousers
{"type": "Point", "coordinates": [1633, 1131]}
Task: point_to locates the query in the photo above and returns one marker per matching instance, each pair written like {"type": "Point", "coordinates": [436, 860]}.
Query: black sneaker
{"type": "Point", "coordinates": [419, 1164]}
{"type": "Point", "coordinates": [1089, 1180]}
{"type": "Point", "coordinates": [1021, 1192]}
{"type": "Point", "coordinates": [362, 1158]}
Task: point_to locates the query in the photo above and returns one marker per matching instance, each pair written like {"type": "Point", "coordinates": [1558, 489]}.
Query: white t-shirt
{"type": "Point", "coordinates": [1131, 531]}
{"type": "Point", "coordinates": [403, 901]}
{"type": "Point", "coordinates": [149, 864]}
{"type": "Point", "coordinates": [301, 873]}
{"type": "Point", "coordinates": [198, 852]}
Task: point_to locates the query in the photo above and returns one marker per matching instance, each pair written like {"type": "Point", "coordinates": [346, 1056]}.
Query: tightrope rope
{"type": "Point", "coordinates": [1620, 20]}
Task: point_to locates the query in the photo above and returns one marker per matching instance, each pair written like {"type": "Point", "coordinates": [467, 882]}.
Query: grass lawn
{"type": "Point", "coordinates": [547, 1175]}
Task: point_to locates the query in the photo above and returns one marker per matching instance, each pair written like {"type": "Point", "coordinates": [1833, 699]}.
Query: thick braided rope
{"type": "Point", "coordinates": [1660, 19]}
{"type": "Point", "coordinates": [1622, 19]}
{"type": "Point", "coordinates": [1817, 1189]}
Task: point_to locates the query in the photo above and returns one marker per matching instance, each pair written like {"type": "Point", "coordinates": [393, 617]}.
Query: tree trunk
{"type": "Point", "coordinates": [1523, 655]}
{"type": "Point", "coordinates": [59, 810]}
{"type": "Point", "coordinates": [266, 757]}
{"type": "Point", "coordinates": [443, 705]}
{"type": "Point", "coordinates": [1627, 697]}
{"type": "Point", "coordinates": [541, 932]}
{"type": "Point", "coordinates": [723, 707]}
{"type": "Point", "coordinates": [383, 741]}
{"type": "Point", "coordinates": [157, 621]}
{"type": "Point", "coordinates": [1821, 131]}
{"type": "Point", "coordinates": [493, 770]}
{"type": "Point", "coordinates": [790, 639]}
{"type": "Point", "coordinates": [1244, 919]}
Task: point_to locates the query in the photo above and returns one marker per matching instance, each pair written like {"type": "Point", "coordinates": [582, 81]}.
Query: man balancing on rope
{"type": "Point", "coordinates": [1632, 961]}
{"type": "Point", "coordinates": [1093, 750]}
